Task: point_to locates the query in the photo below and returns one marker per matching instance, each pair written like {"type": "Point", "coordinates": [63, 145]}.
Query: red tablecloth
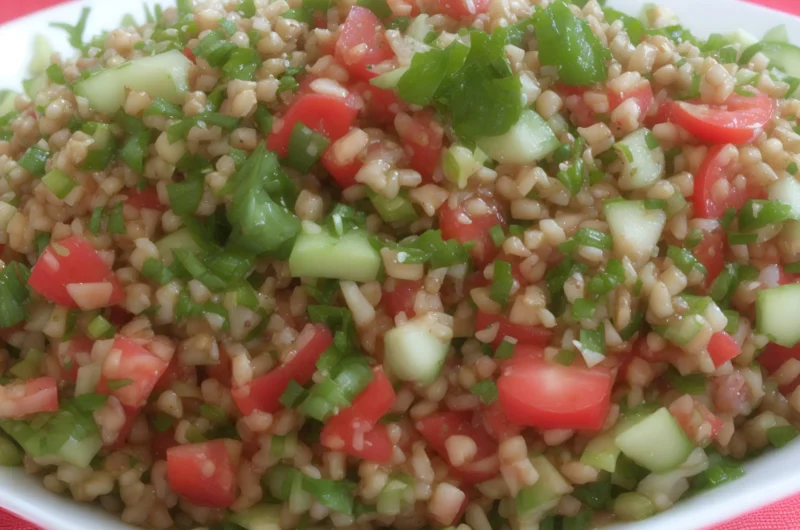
{"type": "Point", "coordinates": [783, 515]}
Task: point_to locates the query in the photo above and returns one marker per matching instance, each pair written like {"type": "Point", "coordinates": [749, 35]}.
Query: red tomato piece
{"type": "Point", "coordinates": [709, 202]}
{"type": "Point", "coordinates": [66, 264]}
{"type": "Point", "coordinates": [205, 473]}
{"type": "Point", "coordinates": [401, 298]}
{"type": "Point", "coordinates": [161, 442]}
{"type": "Point", "coordinates": [477, 231]}
{"type": "Point", "coordinates": [496, 422]}
{"type": "Point", "coordinates": [461, 8]}
{"type": "Point", "coordinates": [536, 335]}
{"type": "Point", "coordinates": [374, 401]}
{"type": "Point", "coordinates": [551, 396]}
{"type": "Point", "coordinates": [422, 138]}
{"type": "Point", "coordinates": [380, 105]}
{"type": "Point", "coordinates": [710, 252]}
{"type": "Point", "coordinates": [329, 116]}
{"type": "Point", "coordinates": [722, 348]}
{"type": "Point", "coordinates": [774, 356]}
{"type": "Point", "coordinates": [221, 371]}
{"type": "Point", "coordinates": [641, 94]}
{"type": "Point", "coordinates": [362, 43]}
{"type": "Point", "coordinates": [263, 393]}
{"type": "Point", "coordinates": [189, 54]}
{"type": "Point", "coordinates": [130, 372]}
{"type": "Point", "coordinates": [693, 420]}
{"type": "Point", "coordinates": [437, 428]}
{"type": "Point", "coordinates": [344, 175]}
{"type": "Point", "coordinates": [146, 198]}
{"type": "Point", "coordinates": [737, 121]}
{"type": "Point", "coordinates": [67, 353]}
{"type": "Point", "coordinates": [580, 112]}
{"type": "Point", "coordinates": [176, 372]}
{"type": "Point", "coordinates": [125, 430]}
{"type": "Point", "coordinates": [19, 399]}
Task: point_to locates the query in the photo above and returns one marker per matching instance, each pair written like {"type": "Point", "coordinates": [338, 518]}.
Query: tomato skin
{"type": "Point", "coordinates": [134, 363]}
{"type": "Point", "coordinates": [496, 422]}
{"type": "Point", "coordinates": [145, 199]}
{"type": "Point", "coordinates": [551, 396]}
{"type": "Point", "coordinates": [72, 261]}
{"type": "Point", "coordinates": [438, 427]}
{"type": "Point", "coordinates": [722, 348]}
{"type": "Point", "coordinates": [477, 231]}
{"type": "Point", "coordinates": [263, 392]}
{"type": "Point", "coordinates": [422, 138]}
{"type": "Point", "coordinates": [709, 172]}
{"type": "Point", "coordinates": [362, 27]}
{"type": "Point", "coordinates": [737, 121]}
{"type": "Point", "coordinates": [773, 357]}
{"type": "Point", "coordinates": [401, 298]}
{"type": "Point", "coordinates": [535, 335]}
{"type": "Point", "coordinates": [36, 395]}
{"type": "Point", "coordinates": [380, 104]}
{"type": "Point", "coordinates": [710, 252]}
{"type": "Point", "coordinates": [186, 475]}
{"type": "Point", "coordinates": [460, 8]}
{"type": "Point", "coordinates": [374, 401]}
{"type": "Point", "coordinates": [329, 116]}
{"type": "Point", "coordinates": [641, 94]}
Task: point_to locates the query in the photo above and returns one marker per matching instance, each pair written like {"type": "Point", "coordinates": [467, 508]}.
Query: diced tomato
{"type": "Point", "coordinates": [523, 334]}
{"type": "Point", "coordinates": [737, 121]}
{"type": "Point", "coordinates": [641, 94]}
{"type": "Point", "coordinates": [19, 399]}
{"type": "Point", "coordinates": [461, 8]}
{"type": "Point", "coordinates": [423, 139]}
{"type": "Point", "coordinates": [189, 54]}
{"type": "Point", "coordinates": [476, 231]}
{"type": "Point", "coordinates": [221, 371]}
{"type": "Point", "coordinates": [551, 396]}
{"type": "Point", "coordinates": [497, 423]}
{"type": "Point", "coordinates": [146, 198]}
{"type": "Point", "coordinates": [362, 43]}
{"type": "Point", "coordinates": [708, 203]}
{"type": "Point", "coordinates": [161, 442]}
{"type": "Point", "coordinates": [130, 372]}
{"type": "Point", "coordinates": [67, 352]}
{"type": "Point", "coordinates": [693, 421]}
{"type": "Point", "coordinates": [327, 115]}
{"type": "Point", "coordinates": [438, 427]}
{"type": "Point", "coordinates": [380, 105]}
{"type": "Point", "coordinates": [263, 392]}
{"type": "Point", "coordinates": [722, 348]}
{"type": "Point", "coordinates": [660, 113]}
{"type": "Point", "coordinates": [205, 474]}
{"type": "Point", "coordinates": [119, 316]}
{"type": "Point", "coordinates": [400, 299]}
{"type": "Point", "coordinates": [176, 372]}
{"type": "Point", "coordinates": [355, 429]}
{"type": "Point", "coordinates": [710, 252]}
{"type": "Point", "coordinates": [71, 262]}
{"type": "Point", "coordinates": [344, 175]}
{"type": "Point", "coordinates": [774, 356]}
{"type": "Point", "coordinates": [580, 112]}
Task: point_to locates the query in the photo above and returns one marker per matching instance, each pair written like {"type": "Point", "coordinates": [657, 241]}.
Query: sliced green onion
{"type": "Point", "coordinates": [485, 390]}
{"type": "Point", "coordinates": [34, 160]}
{"type": "Point", "coordinates": [337, 495]}
{"type": "Point", "coordinates": [792, 268]}
{"type": "Point", "coordinates": [100, 328]}
{"type": "Point", "coordinates": [505, 350]}
{"type": "Point", "coordinates": [399, 23]}
{"type": "Point", "coordinates": [185, 197]}
{"type": "Point", "coordinates": [379, 7]}
{"type": "Point", "coordinates": [792, 168]}
{"type": "Point", "coordinates": [134, 150]}
{"type": "Point", "coordinates": [247, 8]}
{"type": "Point", "coordinates": [263, 119]}
{"type": "Point", "coordinates": [565, 357]}
{"type": "Point", "coordinates": [216, 415]}
{"type": "Point", "coordinates": [725, 283]}
{"type": "Point", "coordinates": [607, 281]}
{"type": "Point", "coordinates": [655, 204]}
{"type": "Point", "coordinates": [155, 270]}
{"type": "Point", "coordinates": [116, 384]}
{"type": "Point", "coordinates": [59, 183]}
{"type": "Point", "coordinates": [589, 237]}
{"type": "Point", "coordinates": [693, 384]}
{"type": "Point", "coordinates": [56, 74]}
{"type": "Point", "coordinates": [593, 340]}
{"type": "Point", "coordinates": [572, 176]}
{"type": "Point", "coordinates": [287, 83]}
{"type": "Point", "coordinates": [738, 238]}
{"type": "Point", "coordinates": [242, 64]}
{"type": "Point", "coordinates": [684, 260]}
{"type": "Point", "coordinates": [693, 238]}
{"type": "Point", "coordinates": [727, 218]}
{"type": "Point", "coordinates": [758, 213]}
{"type": "Point", "coordinates": [116, 220]}
{"type": "Point", "coordinates": [733, 321]}
{"type": "Point", "coordinates": [305, 148]}
{"type": "Point", "coordinates": [41, 240]}
{"type": "Point", "coordinates": [583, 308]}
{"type": "Point", "coordinates": [162, 107]}
{"type": "Point", "coordinates": [293, 395]}
{"type": "Point", "coordinates": [214, 48]}
{"type": "Point", "coordinates": [502, 282]}
{"type": "Point", "coordinates": [781, 435]}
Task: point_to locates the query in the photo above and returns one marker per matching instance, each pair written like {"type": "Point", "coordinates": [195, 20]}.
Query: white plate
{"type": "Point", "coordinates": [768, 479]}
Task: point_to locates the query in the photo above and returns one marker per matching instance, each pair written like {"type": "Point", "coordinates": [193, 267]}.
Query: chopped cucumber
{"type": "Point", "coordinates": [529, 140]}
{"type": "Point", "coordinates": [30, 366]}
{"type": "Point", "coordinates": [64, 435]}
{"type": "Point", "coordinates": [781, 55]}
{"type": "Point", "coordinates": [777, 34]}
{"type": "Point", "coordinates": [80, 452]}
{"type": "Point", "coordinates": [657, 442]}
{"type": "Point", "coordinates": [395, 495]}
{"type": "Point", "coordinates": [635, 229]}
{"type": "Point", "coordinates": [787, 191]}
{"type": "Point", "coordinates": [460, 164]}
{"type": "Point", "coordinates": [414, 352]}
{"type": "Point", "coordinates": [87, 378]}
{"type": "Point", "coordinates": [663, 489]}
{"type": "Point", "coordinates": [41, 55]}
{"type": "Point", "coordinates": [34, 85]}
{"type": "Point", "coordinates": [321, 255]}
{"type": "Point", "coordinates": [545, 493]}
{"type": "Point", "coordinates": [163, 75]}
{"type": "Point", "coordinates": [259, 517]}
{"type": "Point", "coordinates": [642, 158]}
{"type": "Point", "coordinates": [633, 506]}
{"type": "Point", "coordinates": [683, 330]}
{"type": "Point", "coordinates": [601, 452]}
{"type": "Point", "coordinates": [101, 152]}
{"type": "Point", "coordinates": [742, 37]}
{"type": "Point", "coordinates": [7, 98]}
{"type": "Point", "coordinates": [774, 317]}
{"type": "Point", "coordinates": [419, 28]}
{"type": "Point", "coordinates": [7, 212]}
{"type": "Point", "coordinates": [399, 209]}
{"type": "Point", "coordinates": [389, 79]}
{"type": "Point", "coordinates": [182, 238]}
{"type": "Point", "coordinates": [10, 453]}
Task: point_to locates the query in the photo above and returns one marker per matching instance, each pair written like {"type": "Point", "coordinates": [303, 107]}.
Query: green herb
{"type": "Point", "coordinates": [293, 395]}
{"type": "Point", "coordinates": [429, 247]}
{"type": "Point", "coordinates": [593, 340]}
{"type": "Point", "coordinates": [59, 183]}
{"type": "Point", "coordinates": [34, 161]}
{"type": "Point", "coordinates": [572, 176]}
{"type": "Point", "coordinates": [116, 384]}
{"type": "Point", "coordinates": [337, 495]}
{"type": "Point", "coordinates": [606, 281]}
{"type": "Point", "coordinates": [116, 220]}
{"type": "Point", "coordinates": [215, 48]}
{"type": "Point", "coordinates": [379, 7]}
{"type": "Point", "coordinates": [485, 390]}
{"type": "Point", "coordinates": [399, 23]}
{"type": "Point", "coordinates": [155, 270]}
{"type": "Point", "coordinates": [684, 260]}
{"type": "Point", "coordinates": [242, 64]}
{"type": "Point", "coordinates": [56, 74]}
{"type": "Point", "coordinates": [75, 33]}
{"type": "Point", "coordinates": [596, 495]}
{"type": "Point", "coordinates": [247, 8]}
{"type": "Point", "coordinates": [758, 213]}
{"type": "Point", "coordinates": [583, 308]}
{"type": "Point", "coordinates": [792, 168]}
{"type": "Point", "coordinates": [497, 235]}
{"type": "Point", "coordinates": [694, 384]}
{"type": "Point", "coordinates": [505, 350]}
{"type": "Point", "coordinates": [633, 26]}
{"type": "Point", "coordinates": [95, 220]}
{"type": "Point", "coordinates": [502, 282]}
